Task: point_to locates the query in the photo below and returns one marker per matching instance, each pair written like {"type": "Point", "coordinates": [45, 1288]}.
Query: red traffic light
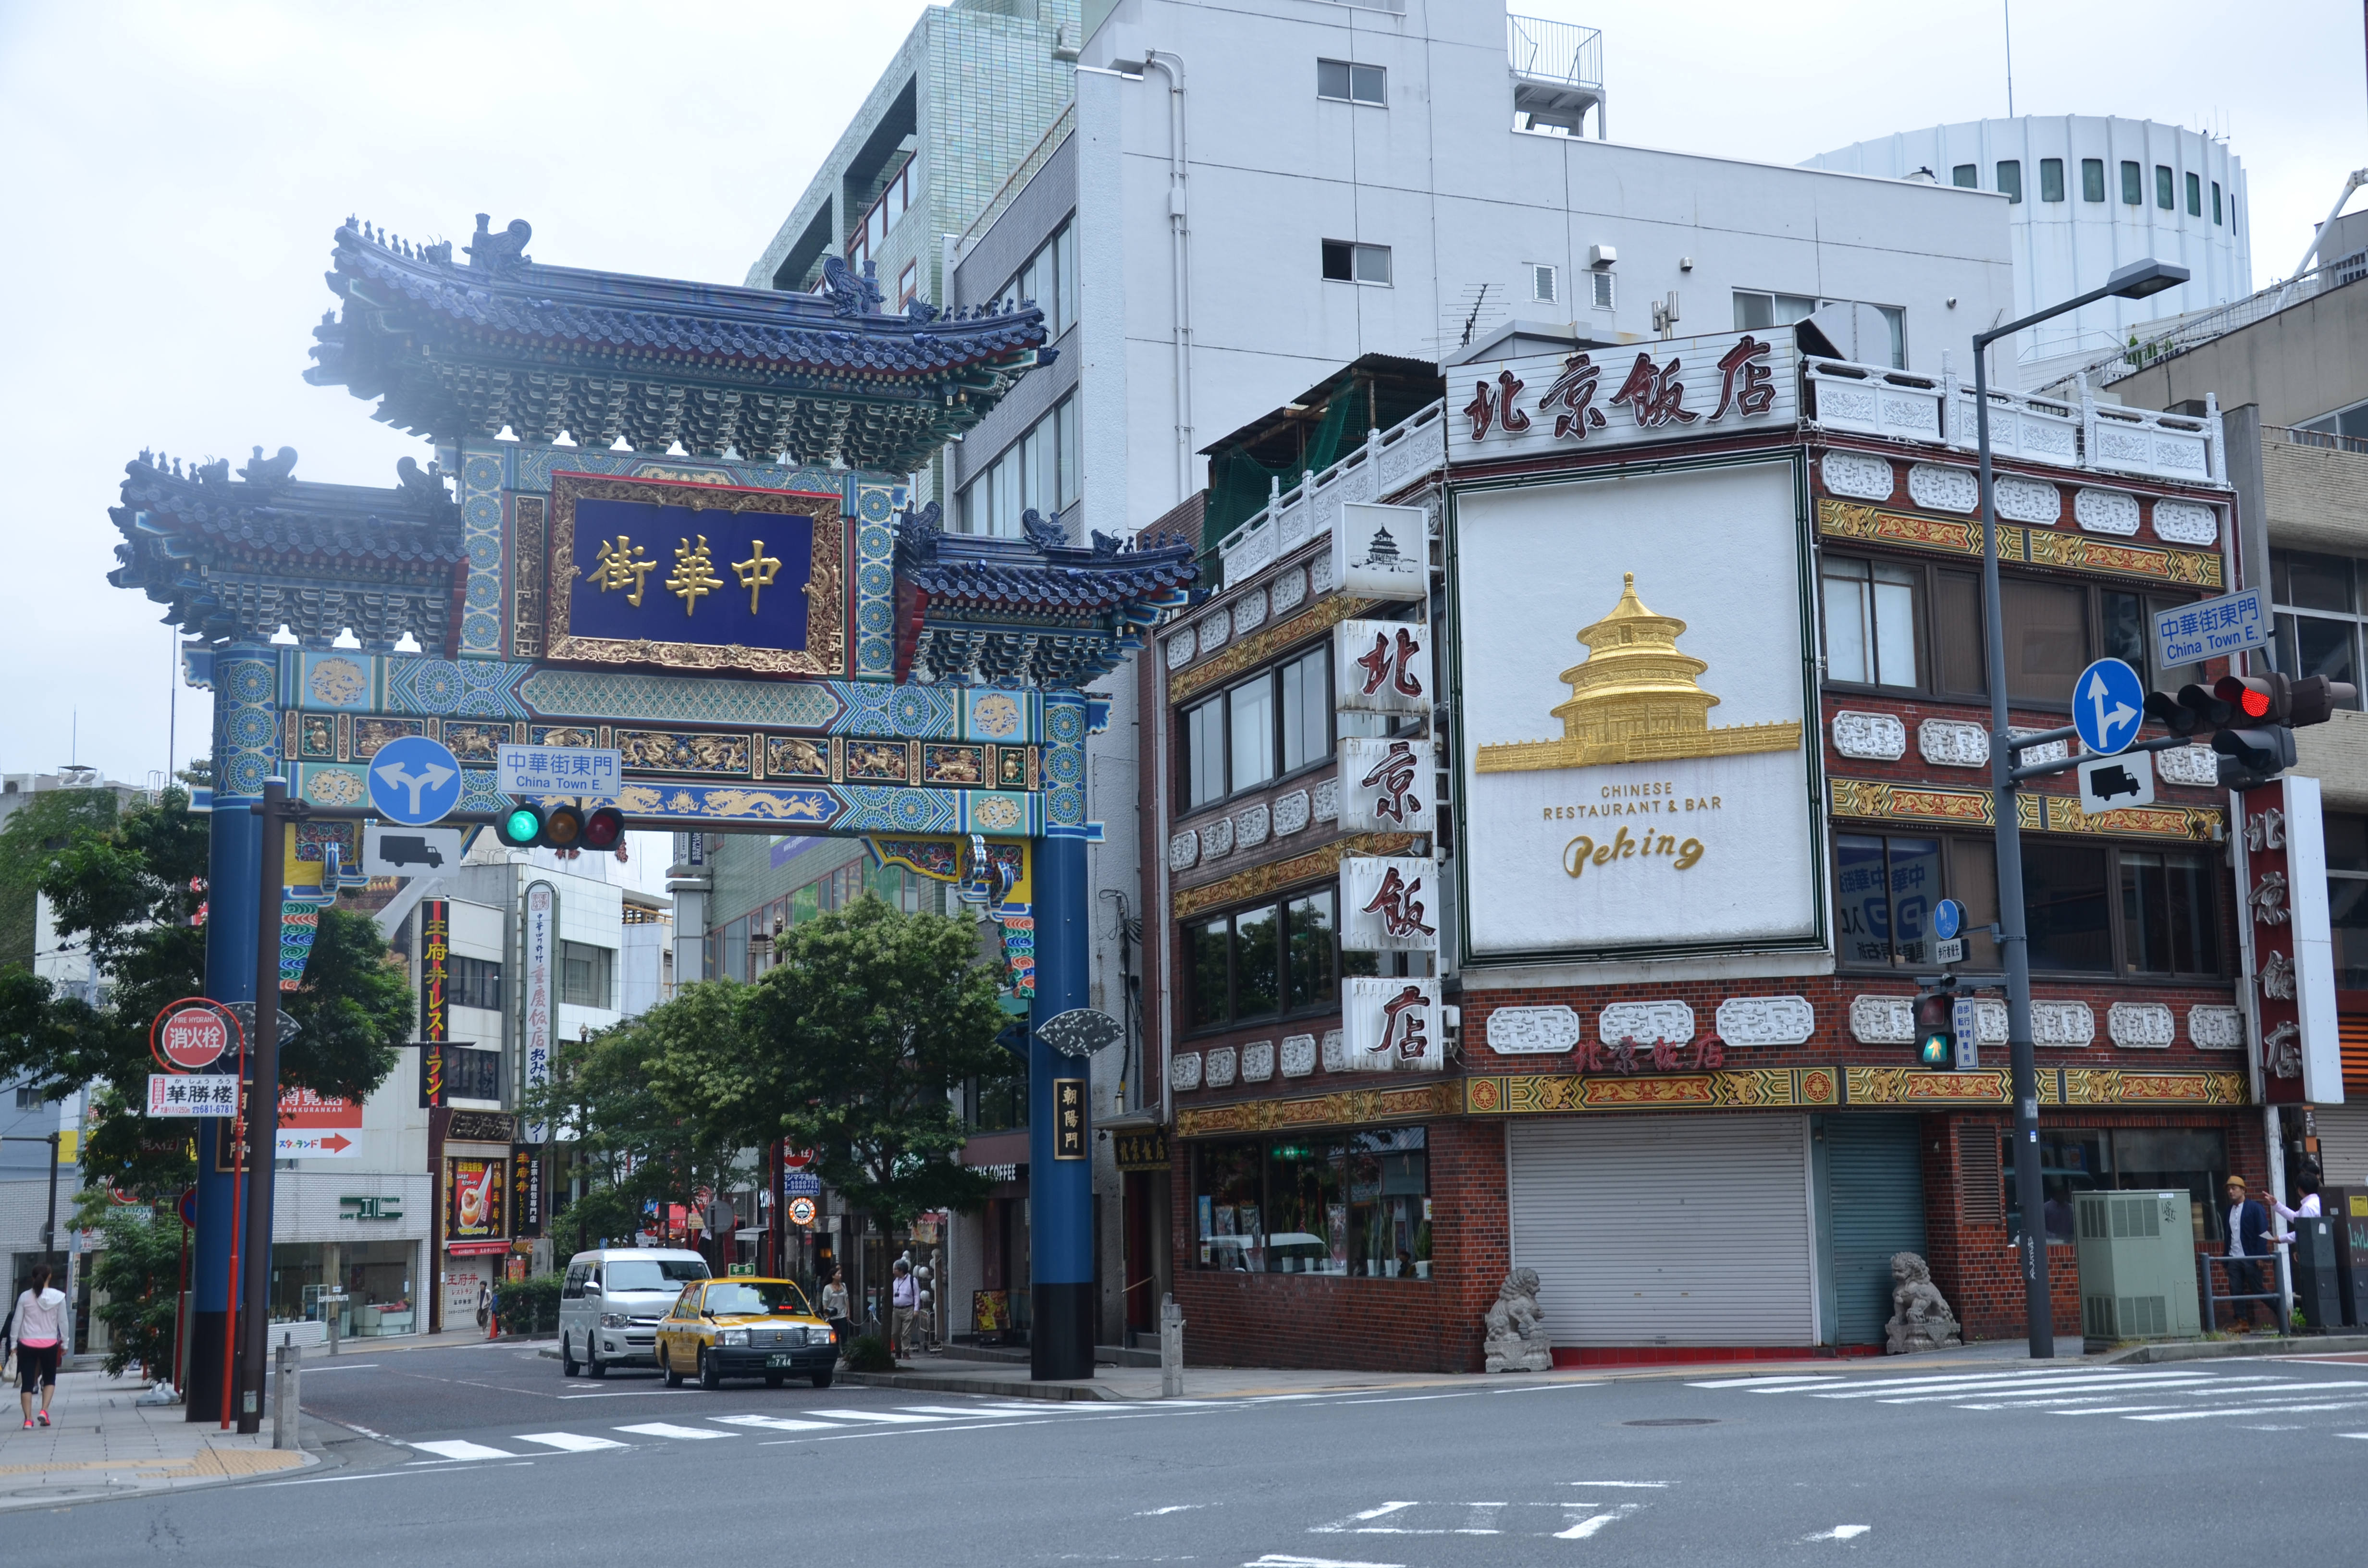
{"type": "Point", "coordinates": [603, 828]}
{"type": "Point", "coordinates": [2256, 697]}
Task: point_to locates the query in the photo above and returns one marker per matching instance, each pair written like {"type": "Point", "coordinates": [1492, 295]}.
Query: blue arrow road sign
{"type": "Point", "coordinates": [414, 782]}
{"type": "Point", "coordinates": [2108, 705]}
{"type": "Point", "coordinates": [1948, 918]}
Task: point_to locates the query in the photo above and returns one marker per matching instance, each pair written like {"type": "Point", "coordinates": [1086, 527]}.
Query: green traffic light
{"type": "Point", "coordinates": [1938, 1050]}
{"type": "Point", "coordinates": [523, 825]}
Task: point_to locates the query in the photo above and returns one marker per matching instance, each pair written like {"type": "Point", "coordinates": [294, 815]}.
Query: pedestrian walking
{"type": "Point", "coordinates": [2249, 1237]}
{"type": "Point", "coordinates": [35, 1324]}
{"type": "Point", "coordinates": [904, 1300]}
{"type": "Point", "coordinates": [834, 1307]}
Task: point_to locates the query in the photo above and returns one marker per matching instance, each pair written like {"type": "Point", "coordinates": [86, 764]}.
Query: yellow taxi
{"type": "Point", "coordinates": [745, 1329]}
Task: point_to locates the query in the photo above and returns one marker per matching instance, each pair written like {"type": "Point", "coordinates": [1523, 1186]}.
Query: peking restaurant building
{"type": "Point", "coordinates": [1550, 810]}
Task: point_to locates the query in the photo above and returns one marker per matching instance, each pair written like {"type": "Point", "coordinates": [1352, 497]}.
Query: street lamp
{"type": "Point", "coordinates": [2134, 281]}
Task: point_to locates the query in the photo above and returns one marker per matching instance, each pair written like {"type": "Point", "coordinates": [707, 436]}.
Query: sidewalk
{"type": "Point", "coordinates": [106, 1446]}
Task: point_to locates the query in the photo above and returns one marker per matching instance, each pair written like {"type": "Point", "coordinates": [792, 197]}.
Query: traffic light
{"type": "Point", "coordinates": [2195, 707]}
{"type": "Point", "coordinates": [1936, 1039]}
{"type": "Point", "coordinates": [2251, 719]}
{"type": "Point", "coordinates": [525, 826]}
{"type": "Point", "coordinates": [2313, 698]}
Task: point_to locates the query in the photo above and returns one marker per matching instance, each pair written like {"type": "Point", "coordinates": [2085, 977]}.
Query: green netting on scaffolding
{"type": "Point", "coordinates": [1239, 483]}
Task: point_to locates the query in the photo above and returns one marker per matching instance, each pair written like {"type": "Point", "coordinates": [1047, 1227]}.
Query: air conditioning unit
{"type": "Point", "coordinates": [2138, 1266]}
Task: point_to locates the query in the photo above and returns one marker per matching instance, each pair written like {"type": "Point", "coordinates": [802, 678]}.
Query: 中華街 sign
{"type": "Point", "coordinates": [1636, 758]}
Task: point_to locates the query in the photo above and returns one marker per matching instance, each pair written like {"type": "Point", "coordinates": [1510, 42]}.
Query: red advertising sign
{"type": "Point", "coordinates": [192, 1034]}
{"type": "Point", "coordinates": [315, 1126]}
{"type": "Point", "coordinates": [435, 963]}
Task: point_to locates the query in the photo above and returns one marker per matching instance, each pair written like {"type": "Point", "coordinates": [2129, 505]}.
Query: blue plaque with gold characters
{"type": "Point", "coordinates": [697, 576]}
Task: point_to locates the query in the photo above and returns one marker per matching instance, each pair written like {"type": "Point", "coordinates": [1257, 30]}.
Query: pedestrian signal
{"type": "Point", "coordinates": [1936, 1040]}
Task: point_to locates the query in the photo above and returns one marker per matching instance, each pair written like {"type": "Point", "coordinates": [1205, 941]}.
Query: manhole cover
{"type": "Point", "coordinates": [1674, 1421]}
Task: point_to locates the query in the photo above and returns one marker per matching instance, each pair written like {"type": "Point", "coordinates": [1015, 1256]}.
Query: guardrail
{"type": "Point", "coordinates": [1390, 459]}
{"type": "Point", "coordinates": [1547, 50]}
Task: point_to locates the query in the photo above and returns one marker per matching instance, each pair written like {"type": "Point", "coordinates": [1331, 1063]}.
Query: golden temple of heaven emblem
{"type": "Point", "coordinates": [1634, 700]}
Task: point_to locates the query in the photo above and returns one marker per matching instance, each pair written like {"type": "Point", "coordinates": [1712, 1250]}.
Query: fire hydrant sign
{"type": "Point", "coordinates": [318, 1127]}
{"type": "Point", "coordinates": [192, 1036]}
{"type": "Point", "coordinates": [193, 1094]}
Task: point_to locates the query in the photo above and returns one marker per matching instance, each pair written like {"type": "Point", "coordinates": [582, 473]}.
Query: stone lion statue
{"type": "Point", "coordinates": [1920, 1320]}
{"type": "Point", "coordinates": [1517, 1329]}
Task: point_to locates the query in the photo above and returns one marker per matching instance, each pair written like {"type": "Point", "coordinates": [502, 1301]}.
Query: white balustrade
{"type": "Point", "coordinates": [1389, 460]}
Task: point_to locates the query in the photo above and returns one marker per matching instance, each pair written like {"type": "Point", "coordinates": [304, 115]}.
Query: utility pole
{"type": "Point", "coordinates": [263, 1109]}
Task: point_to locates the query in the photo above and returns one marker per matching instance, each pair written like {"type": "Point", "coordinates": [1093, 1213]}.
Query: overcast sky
{"type": "Point", "coordinates": [175, 173]}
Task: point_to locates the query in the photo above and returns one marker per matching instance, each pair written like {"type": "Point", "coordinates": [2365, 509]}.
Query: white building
{"type": "Point", "coordinates": [2086, 194]}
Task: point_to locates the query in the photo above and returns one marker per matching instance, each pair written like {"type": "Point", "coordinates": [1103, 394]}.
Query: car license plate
{"type": "Point", "coordinates": [777, 1360]}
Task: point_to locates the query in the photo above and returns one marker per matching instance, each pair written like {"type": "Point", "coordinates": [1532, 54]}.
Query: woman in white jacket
{"type": "Point", "coordinates": [35, 1326]}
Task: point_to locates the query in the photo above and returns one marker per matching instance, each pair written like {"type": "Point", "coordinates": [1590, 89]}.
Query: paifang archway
{"type": "Point", "coordinates": [777, 641]}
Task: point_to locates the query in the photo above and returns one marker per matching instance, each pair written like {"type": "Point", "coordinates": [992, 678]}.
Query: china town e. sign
{"type": "Point", "coordinates": [1619, 394]}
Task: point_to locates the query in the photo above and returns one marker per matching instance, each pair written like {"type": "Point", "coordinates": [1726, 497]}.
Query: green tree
{"type": "Point", "coordinates": [127, 887]}
{"type": "Point", "coordinates": [34, 833]}
{"type": "Point", "coordinates": [139, 1273]}
{"type": "Point", "coordinates": [630, 1145]}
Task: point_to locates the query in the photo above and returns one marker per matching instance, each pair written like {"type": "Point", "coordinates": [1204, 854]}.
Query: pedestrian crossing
{"type": "Point", "coordinates": [2175, 1392]}
{"type": "Point", "coordinates": [711, 1428]}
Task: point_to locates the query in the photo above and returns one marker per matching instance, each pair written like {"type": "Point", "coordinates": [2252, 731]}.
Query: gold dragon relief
{"type": "Point", "coordinates": [1635, 699]}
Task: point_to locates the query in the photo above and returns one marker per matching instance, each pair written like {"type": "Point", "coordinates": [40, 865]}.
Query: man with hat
{"type": "Point", "coordinates": [2249, 1237]}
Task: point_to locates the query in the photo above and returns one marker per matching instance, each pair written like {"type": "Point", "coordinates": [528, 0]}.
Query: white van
{"type": "Point", "coordinates": [609, 1306]}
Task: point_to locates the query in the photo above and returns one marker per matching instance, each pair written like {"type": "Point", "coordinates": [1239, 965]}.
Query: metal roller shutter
{"type": "Point", "coordinates": [2343, 1143]}
{"type": "Point", "coordinates": [1666, 1230]}
{"type": "Point", "coordinates": [1874, 1177]}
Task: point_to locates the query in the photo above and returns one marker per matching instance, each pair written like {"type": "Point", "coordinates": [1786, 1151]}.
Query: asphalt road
{"type": "Point", "coordinates": [469, 1453]}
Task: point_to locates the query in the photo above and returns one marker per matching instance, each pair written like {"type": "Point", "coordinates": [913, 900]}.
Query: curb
{"type": "Point", "coordinates": [2212, 1349]}
{"type": "Point", "coordinates": [923, 1382]}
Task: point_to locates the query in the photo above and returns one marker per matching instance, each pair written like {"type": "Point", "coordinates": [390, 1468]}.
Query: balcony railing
{"type": "Point", "coordinates": [1557, 72]}
{"type": "Point", "coordinates": [1388, 462]}
{"type": "Point", "coordinates": [2194, 331]}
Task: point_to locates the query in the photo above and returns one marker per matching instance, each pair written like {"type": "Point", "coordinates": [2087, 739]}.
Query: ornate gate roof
{"type": "Point", "coordinates": [462, 350]}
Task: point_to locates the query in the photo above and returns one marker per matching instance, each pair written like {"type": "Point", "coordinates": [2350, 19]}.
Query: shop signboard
{"type": "Point", "coordinates": [483, 1127]}
{"type": "Point", "coordinates": [192, 1094]}
{"type": "Point", "coordinates": [431, 1075]}
{"type": "Point", "coordinates": [1548, 405]}
{"type": "Point", "coordinates": [2289, 950]}
{"type": "Point", "coordinates": [1381, 552]}
{"type": "Point", "coordinates": [435, 966]}
{"type": "Point", "coordinates": [1144, 1151]}
{"type": "Point", "coordinates": [1385, 785]}
{"type": "Point", "coordinates": [525, 1189]}
{"type": "Point", "coordinates": [319, 1127]}
{"type": "Point", "coordinates": [1068, 1118]}
{"type": "Point", "coordinates": [539, 1016]}
{"type": "Point", "coordinates": [1382, 666]}
{"type": "Point", "coordinates": [476, 1199]}
{"type": "Point", "coordinates": [1389, 903]}
{"type": "Point", "coordinates": [1393, 1025]}
{"type": "Point", "coordinates": [1636, 770]}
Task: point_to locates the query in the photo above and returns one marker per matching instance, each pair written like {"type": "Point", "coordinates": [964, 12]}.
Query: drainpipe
{"type": "Point", "coordinates": [1180, 251]}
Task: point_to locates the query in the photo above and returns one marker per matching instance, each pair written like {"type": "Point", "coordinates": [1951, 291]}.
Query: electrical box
{"type": "Point", "coordinates": [2319, 1294]}
{"type": "Point", "coordinates": [2348, 1207]}
{"type": "Point", "coordinates": [2136, 1253]}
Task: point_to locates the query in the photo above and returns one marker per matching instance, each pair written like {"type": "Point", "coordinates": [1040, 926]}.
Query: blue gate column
{"type": "Point", "coordinates": [247, 732]}
{"type": "Point", "coordinates": [1060, 1190]}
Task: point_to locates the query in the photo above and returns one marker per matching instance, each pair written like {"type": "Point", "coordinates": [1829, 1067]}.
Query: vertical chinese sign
{"type": "Point", "coordinates": [538, 1013]}
{"type": "Point", "coordinates": [1068, 1118]}
{"type": "Point", "coordinates": [434, 1005]}
{"type": "Point", "coordinates": [525, 1189]}
{"type": "Point", "coordinates": [2289, 952]}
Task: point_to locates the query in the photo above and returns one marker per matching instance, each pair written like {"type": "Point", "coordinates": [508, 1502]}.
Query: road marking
{"type": "Point", "coordinates": [2251, 1410]}
{"type": "Point", "coordinates": [1171, 1508]}
{"type": "Point", "coordinates": [1285, 1560]}
{"type": "Point", "coordinates": [2111, 1410]}
{"type": "Point", "coordinates": [340, 1367]}
{"type": "Point", "coordinates": [1041, 1407]}
{"type": "Point", "coordinates": [567, 1442]}
{"type": "Point", "coordinates": [1594, 1522]}
{"type": "Point", "coordinates": [2258, 1388]}
{"type": "Point", "coordinates": [454, 1449]}
{"type": "Point", "coordinates": [775, 1423]}
{"type": "Point", "coordinates": [1882, 1387]}
{"type": "Point", "coordinates": [667, 1429]}
{"type": "Point", "coordinates": [1385, 1509]}
{"type": "Point", "coordinates": [877, 1415]}
{"type": "Point", "coordinates": [625, 1393]}
{"type": "Point", "coordinates": [1840, 1532]}
{"type": "Point", "coordinates": [1652, 1484]}
{"type": "Point", "coordinates": [2150, 1385]}
{"type": "Point", "coordinates": [1764, 1382]}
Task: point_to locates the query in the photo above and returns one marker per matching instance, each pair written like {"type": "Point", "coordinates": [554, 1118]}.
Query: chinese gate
{"type": "Point", "coordinates": [778, 643]}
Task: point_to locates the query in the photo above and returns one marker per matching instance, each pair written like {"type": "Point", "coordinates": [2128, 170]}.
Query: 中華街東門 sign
{"type": "Point", "coordinates": [697, 576]}
{"type": "Point", "coordinates": [1636, 768]}
{"type": "Point", "coordinates": [476, 1193]}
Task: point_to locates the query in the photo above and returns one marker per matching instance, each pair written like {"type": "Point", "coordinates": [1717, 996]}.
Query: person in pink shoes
{"type": "Point", "coordinates": [38, 1345]}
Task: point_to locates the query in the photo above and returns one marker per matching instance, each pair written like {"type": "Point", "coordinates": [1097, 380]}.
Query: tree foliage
{"type": "Point", "coordinates": [139, 1271]}
{"type": "Point", "coordinates": [126, 887]}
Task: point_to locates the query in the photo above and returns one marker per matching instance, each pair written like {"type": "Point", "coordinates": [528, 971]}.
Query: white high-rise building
{"type": "Point", "coordinates": [2086, 194]}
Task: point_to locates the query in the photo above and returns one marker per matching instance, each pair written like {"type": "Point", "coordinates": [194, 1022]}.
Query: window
{"type": "Point", "coordinates": [475, 982]}
{"type": "Point", "coordinates": [907, 284]}
{"type": "Point", "coordinates": [2347, 900]}
{"type": "Point", "coordinates": [2170, 913]}
{"type": "Point", "coordinates": [1357, 1204]}
{"type": "Point", "coordinates": [1966, 175]}
{"type": "Point", "coordinates": [1351, 84]}
{"type": "Point", "coordinates": [471, 1074]}
{"type": "Point", "coordinates": [863, 245]}
{"type": "Point", "coordinates": [586, 975]}
{"type": "Point", "coordinates": [2046, 638]}
{"type": "Point", "coordinates": [2066, 910]}
{"type": "Point", "coordinates": [2009, 180]}
{"type": "Point", "coordinates": [2215, 201]}
{"type": "Point", "coordinates": [2092, 179]}
{"type": "Point", "coordinates": [2127, 620]}
{"type": "Point", "coordinates": [1603, 297]}
{"type": "Point", "coordinates": [2145, 1158]}
{"type": "Point", "coordinates": [2318, 620]}
{"type": "Point", "coordinates": [1869, 622]}
{"type": "Point", "coordinates": [2051, 179]}
{"type": "Point", "coordinates": [1277, 722]}
{"type": "Point", "coordinates": [2194, 196]}
{"type": "Point", "coordinates": [1345, 261]}
{"type": "Point", "coordinates": [2162, 197]}
{"type": "Point", "coordinates": [1037, 472]}
{"type": "Point", "coordinates": [1754, 311]}
{"type": "Point", "coordinates": [1049, 279]}
{"type": "Point", "coordinates": [1271, 961]}
{"type": "Point", "coordinates": [2131, 193]}
{"type": "Point", "coordinates": [840, 888]}
{"type": "Point", "coordinates": [1888, 886]}
{"type": "Point", "coordinates": [1542, 284]}
{"type": "Point", "coordinates": [996, 1104]}
{"type": "Point", "coordinates": [28, 1097]}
